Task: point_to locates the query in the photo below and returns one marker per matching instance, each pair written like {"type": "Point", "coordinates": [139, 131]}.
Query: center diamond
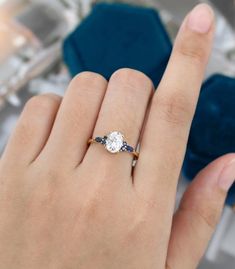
{"type": "Point", "coordinates": [114, 142]}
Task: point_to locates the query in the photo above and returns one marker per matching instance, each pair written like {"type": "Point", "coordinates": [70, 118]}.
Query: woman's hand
{"type": "Point", "coordinates": [65, 205]}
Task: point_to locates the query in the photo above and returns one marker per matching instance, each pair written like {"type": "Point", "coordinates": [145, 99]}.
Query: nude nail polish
{"type": "Point", "coordinates": [200, 19]}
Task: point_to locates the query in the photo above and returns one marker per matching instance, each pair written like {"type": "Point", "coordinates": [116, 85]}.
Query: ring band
{"type": "Point", "coordinates": [114, 142]}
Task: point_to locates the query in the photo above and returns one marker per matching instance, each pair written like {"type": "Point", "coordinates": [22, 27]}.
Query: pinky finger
{"type": "Point", "coordinates": [199, 213]}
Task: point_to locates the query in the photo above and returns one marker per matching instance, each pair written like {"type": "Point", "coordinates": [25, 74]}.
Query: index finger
{"type": "Point", "coordinates": [172, 109]}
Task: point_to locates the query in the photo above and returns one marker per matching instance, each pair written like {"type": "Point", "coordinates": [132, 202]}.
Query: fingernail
{"type": "Point", "coordinates": [227, 177]}
{"type": "Point", "coordinates": [201, 18]}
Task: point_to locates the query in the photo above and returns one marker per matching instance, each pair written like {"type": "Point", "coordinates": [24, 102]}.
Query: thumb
{"type": "Point", "coordinates": [199, 213]}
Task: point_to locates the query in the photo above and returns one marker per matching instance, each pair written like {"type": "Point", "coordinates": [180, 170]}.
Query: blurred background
{"type": "Point", "coordinates": [32, 36]}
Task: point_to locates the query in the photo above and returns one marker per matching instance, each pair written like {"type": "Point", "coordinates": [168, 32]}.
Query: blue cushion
{"type": "Point", "coordinates": [213, 129]}
{"type": "Point", "coordinates": [114, 36]}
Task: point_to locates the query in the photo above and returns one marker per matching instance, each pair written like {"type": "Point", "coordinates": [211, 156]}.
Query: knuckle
{"type": "Point", "coordinates": [42, 199]}
{"type": "Point", "coordinates": [36, 107]}
{"type": "Point", "coordinates": [24, 132]}
{"type": "Point", "coordinates": [48, 188]}
{"type": "Point", "coordinates": [174, 109]}
{"type": "Point", "coordinates": [168, 266]}
{"type": "Point", "coordinates": [52, 174]}
{"type": "Point", "coordinates": [87, 79]}
{"type": "Point", "coordinates": [88, 85]}
{"type": "Point", "coordinates": [192, 51]}
{"type": "Point", "coordinates": [92, 206]}
{"type": "Point", "coordinates": [210, 219]}
{"type": "Point", "coordinates": [133, 80]}
{"type": "Point", "coordinates": [207, 216]}
{"type": "Point", "coordinates": [42, 102]}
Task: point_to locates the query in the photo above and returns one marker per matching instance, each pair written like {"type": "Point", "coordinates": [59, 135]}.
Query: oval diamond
{"type": "Point", "coordinates": [114, 142]}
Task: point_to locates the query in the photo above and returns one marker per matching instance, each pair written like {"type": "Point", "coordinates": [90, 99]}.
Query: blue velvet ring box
{"type": "Point", "coordinates": [213, 129]}
{"type": "Point", "coordinates": [119, 35]}
{"type": "Point", "coordinates": [114, 36]}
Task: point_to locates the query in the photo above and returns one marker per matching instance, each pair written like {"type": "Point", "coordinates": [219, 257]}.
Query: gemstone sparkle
{"type": "Point", "coordinates": [114, 142]}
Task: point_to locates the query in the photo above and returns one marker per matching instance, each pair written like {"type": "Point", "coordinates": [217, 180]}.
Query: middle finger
{"type": "Point", "coordinates": [123, 109]}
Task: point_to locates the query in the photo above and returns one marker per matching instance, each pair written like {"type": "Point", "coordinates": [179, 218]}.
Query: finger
{"type": "Point", "coordinates": [172, 110]}
{"type": "Point", "coordinates": [199, 212]}
{"type": "Point", "coordinates": [123, 110]}
{"type": "Point", "coordinates": [33, 129]}
{"type": "Point", "coordinates": [76, 119]}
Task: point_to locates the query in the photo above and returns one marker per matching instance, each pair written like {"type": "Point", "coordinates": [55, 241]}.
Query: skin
{"type": "Point", "coordinates": [64, 205]}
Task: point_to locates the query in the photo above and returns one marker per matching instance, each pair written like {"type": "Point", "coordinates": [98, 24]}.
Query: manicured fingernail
{"type": "Point", "coordinates": [227, 177]}
{"type": "Point", "coordinates": [201, 18]}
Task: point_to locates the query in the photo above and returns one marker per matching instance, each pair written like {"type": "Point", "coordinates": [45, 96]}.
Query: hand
{"type": "Point", "coordinates": [65, 205]}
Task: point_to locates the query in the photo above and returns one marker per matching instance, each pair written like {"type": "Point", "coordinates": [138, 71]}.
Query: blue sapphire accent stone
{"type": "Point", "coordinates": [129, 148]}
{"type": "Point", "coordinates": [99, 139]}
{"type": "Point", "coordinates": [103, 141]}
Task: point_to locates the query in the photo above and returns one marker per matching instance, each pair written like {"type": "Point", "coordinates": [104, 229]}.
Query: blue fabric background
{"type": "Point", "coordinates": [213, 129]}
{"type": "Point", "coordinates": [119, 35]}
